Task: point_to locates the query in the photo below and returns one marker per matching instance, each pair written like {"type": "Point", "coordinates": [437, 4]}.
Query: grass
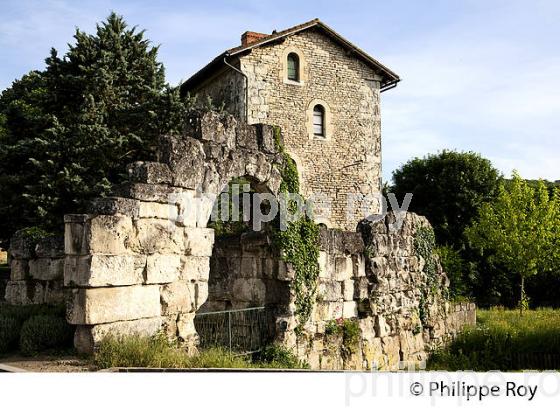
{"type": "Point", "coordinates": [504, 340]}
{"type": "Point", "coordinates": [158, 352]}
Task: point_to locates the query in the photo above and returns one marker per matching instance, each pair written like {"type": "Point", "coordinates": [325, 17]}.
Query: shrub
{"type": "Point", "coordinates": [9, 333]}
{"type": "Point", "coordinates": [22, 313]}
{"type": "Point", "coordinates": [44, 332]}
{"type": "Point", "coordinates": [279, 357]}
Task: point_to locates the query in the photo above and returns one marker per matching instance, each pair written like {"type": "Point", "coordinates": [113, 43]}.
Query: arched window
{"type": "Point", "coordinates": [319, 120]}
{"type": "Point", "coordinates": [293, 67]}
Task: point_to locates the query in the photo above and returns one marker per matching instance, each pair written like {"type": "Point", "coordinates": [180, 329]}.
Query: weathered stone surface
{"type": "Point", "coordinates": [249, 290]}
{"type": "Point", "coordinates": [186, 159]}
{"type": "Point", "coordinates": [106, 305]}
{"type": "Point", "coordinates": [88, 337]}
{"type": "Point", "coordinates": [247, 137]}
{"type": "Point", "coordinates": [46, 268]}
{"type": "Point", "coordinates": [163, 268]}
{"type": "Point", "coordinates": [149, 172]}
{"type": "Point", "coordinates": [104, 270]}
{"type": "Point", "coordinates": [146, 192]}
{"type": "Point", "coordinates": [115, 206]}
{"type": "Point", "coordinates": [74, 226]}
{"type": "Point", "coordinates": [107, 234]}
{"type": "Point", "coordinates": [157, 236]}
{"type": "Point", "coordinates": [22, 246]}
{"type": "Point", "coordinates": [343, 268]}
{"type": "Point", "coordinates": [265, 138]}
{"type": "Point", "coordinates": [51, 246]}
{"type": "Point", "coordinates": [195, 268]}
{"type": "Point", "coordinates": [199, 241]}
{"type": "Point", "coordinates": [19, 269]}
{"type": "Point", "coordinates": [34, 292]}
{"type": "Point", "coordinates": [176, 297]}
{"type": "Point", "coordinates": [329, 291]}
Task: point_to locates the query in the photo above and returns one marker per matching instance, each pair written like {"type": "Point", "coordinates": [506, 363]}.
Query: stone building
{"type": "Point", "coordinates": [324, 93]}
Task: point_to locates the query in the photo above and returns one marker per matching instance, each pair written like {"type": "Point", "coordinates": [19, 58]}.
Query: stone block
{"type": "Point", "coordinates": [343, 268]}
{"type": "Point", "coordinates": [361, 288]}
{"type": "Point", "coordinates": [88, 337]}
{"type": "Point", "coordinates": [358, 266]}
{"type": "Point", "coordinates": [104, 270]}
{"type": "Point", "coordinates": [329, 290]}
{"type": "Point", "coordinates": [22, 246]}
{"type": "Point", "coordinates": [247, 137]}
{"type": "Point", "coordinates": [157, 210]}
{"type": "Point", "coordinates": [199, 241]}
{"type": "Point", "coordinates": [107, 234]}
{"type": "Point", "coordinates": [157, 236]}
{"type": "Point", "coordinates": [185, 327]}
{"type": "Point", "coordinates": [249, 290]}
{"type": "Point", "coordinates": [178, 297]}
{"type": "Point", "coordinates": [46, 268]}
{"type": "Point", "coordinates": [74, 227]}
{"type": "Point", "coordinates": [195, 268]}
{"type": "Point", "coordinates": [50, 247]}
{"type": "Point", "coordinates": [105, 305]}
{"type": "Point", "coordinates": [391, 349]}
{"type": "Point", "coordinates": [115, 206]}
{"type": "Point", "coordinates": [324, 265]}
{"type": "Point", "coordinates": [146, 192]}
{"type": "Point", "coordinates": [149, 172]}
{"type": "Point", "coordinates": [163, 268]}
{"type": "Point", "coordinates": [19, 269]}
{"type": "Point", "coordinates": [382, 329]}
{"type": "Point", "coordinates": [186, 159]}
{"type": "Point", "coordinates": [348, 287]}
{"type": "Point", "coordinates": [265, 138]}
{"type": "Point", "coordinates": [34, 292]}
{"type": "Point", "coordinates": [349, 310]}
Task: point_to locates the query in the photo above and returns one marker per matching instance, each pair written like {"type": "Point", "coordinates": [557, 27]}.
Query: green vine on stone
{"type": "Point", "coordinates": [299, 243]}
{"type": "Point", "coordinates": [425, 245]}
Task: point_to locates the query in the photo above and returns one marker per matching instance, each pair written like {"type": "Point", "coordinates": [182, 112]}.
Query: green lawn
{"type": "Point", "coordinates": [504, 340]}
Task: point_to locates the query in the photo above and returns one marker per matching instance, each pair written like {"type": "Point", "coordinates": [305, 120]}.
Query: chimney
{"type": "Point", "coordinates": [249, 37]}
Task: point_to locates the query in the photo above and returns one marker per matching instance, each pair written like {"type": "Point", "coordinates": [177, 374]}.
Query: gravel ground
{"type": "Point", "coordinates": [48, 363]}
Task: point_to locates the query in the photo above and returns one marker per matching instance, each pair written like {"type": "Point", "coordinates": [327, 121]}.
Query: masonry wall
{"type": "Point", "coordinates": [36, 270]}
{"type": "Point", "coordinates": [346, 163]}
{"type": "Point", "coordinates": [375, 282]}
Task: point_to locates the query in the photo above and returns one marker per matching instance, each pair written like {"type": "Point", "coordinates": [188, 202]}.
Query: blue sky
{"type": "Point", "coordinates": [480, 75]}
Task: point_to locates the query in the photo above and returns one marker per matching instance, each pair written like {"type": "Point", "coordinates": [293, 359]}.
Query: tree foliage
{"type": "Point", "coordinates": [520, 229]}
{"type": "Point", "coordinates": [448, 188]}
{"type": "Point", "coordinates": [67, 132]}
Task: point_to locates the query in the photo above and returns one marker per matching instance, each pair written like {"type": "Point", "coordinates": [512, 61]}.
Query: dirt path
{"type": "Point", "coordinates": [48, 363]}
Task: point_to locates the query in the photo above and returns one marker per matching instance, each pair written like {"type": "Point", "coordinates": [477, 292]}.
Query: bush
{"type": "Point", "coordinates": [9, 333]}
{"type": "Point", "coordinates": [454, 266]}
{"type": "Point", "coordinates": [44, 332]}
{"type": "Point", "coordinates": [279, 357]}
{"type": "Point", "coordinates": [22, 313]}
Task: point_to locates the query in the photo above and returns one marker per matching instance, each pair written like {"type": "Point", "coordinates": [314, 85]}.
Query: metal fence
{"type": "Point", "coordinates": [240, 330]}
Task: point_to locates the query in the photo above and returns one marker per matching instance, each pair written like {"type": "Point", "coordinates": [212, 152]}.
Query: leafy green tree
{"type": "Point", "coordinates": [448, 188]}
{"type": "Point", "coordinates": [67, 133]}
{"type": "Point", "coordinates": [520, 229]}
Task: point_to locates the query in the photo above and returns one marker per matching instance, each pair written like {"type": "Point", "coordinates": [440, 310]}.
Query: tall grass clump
{"type": "Point", "coordinates": [159, 352]}
{"type": "Point", "coordinates": [504, 340]}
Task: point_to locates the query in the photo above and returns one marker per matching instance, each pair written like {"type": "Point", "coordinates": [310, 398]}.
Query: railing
{"type": "Point", "coordinates": [240, 330]}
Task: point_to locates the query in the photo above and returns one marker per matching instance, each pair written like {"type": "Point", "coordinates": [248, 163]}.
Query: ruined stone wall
{"type": "Point", "coordinates": [374, 283]}
{"type": "Point", "coordinates": [36, 270]}
{"type": "Point", "coordinates": [139, 261]}
{"type": "Point", "coordinates": [245, 271]}
{"type": "Point", "coordinates": [346, 162]}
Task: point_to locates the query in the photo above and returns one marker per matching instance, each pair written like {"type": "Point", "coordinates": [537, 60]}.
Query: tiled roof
{"type": "Point", "coordinates": [389, 76]}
